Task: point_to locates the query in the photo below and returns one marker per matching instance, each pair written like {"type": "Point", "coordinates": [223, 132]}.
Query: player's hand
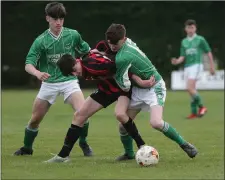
{"type": "Point", "coordinates": [94, 51]}
{"type": "Point", "coordinates": [174, 61]}
{"type": "Point", "coordinates": [42, 75]}
{"type": "Point", "coordinates": [150, 82]}
{"type": "Point", "coordinates": [97, 52]}
{"type": "Point", "coordinates": [212, 70]}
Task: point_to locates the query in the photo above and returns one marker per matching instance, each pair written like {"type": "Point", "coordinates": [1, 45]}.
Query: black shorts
{"type": "Point", "coordinates": [107, 99]}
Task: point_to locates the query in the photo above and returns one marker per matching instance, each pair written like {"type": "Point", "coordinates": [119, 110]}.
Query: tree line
{"type": "Point", "coordinates": [156, 27]}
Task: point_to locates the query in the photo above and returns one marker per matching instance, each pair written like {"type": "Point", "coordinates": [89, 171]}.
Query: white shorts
{"type": "Point", "coordinates": [193, 72]}
{"type": "Point", "coordinates": [49, 91]}
{"type": "Point", "coordinates": [143, 99]}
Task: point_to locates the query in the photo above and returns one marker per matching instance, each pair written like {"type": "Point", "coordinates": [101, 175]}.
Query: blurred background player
{"type": "Point", "coordinates": [192, 49]}
{"type": "Point", "coordinates": [93, 67]}
{"type": "Point", "coordinates": [44, 54]}
{"type": "Point", "coordinates": [130, 58]}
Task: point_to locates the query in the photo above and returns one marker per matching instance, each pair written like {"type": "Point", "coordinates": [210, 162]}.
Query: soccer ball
{"type": "Point", "coordinates": [146, 156]}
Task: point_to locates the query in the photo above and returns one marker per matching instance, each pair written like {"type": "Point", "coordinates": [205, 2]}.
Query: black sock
{"type": "Point", "coordinates": [133, 132]}
{"type": "Point", "coordinates": [72, 136]}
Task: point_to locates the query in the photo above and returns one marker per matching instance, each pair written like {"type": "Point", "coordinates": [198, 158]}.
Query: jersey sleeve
{"type": "Point", "coordinates": [182, 49]}
{"type": "Point", "coordinates": [34, 53]}
{"type": "Point", "coordinates": [81, 46]}
{"type": "Point", "coordinates": [205, 46]}
{"type": "Point", "coordinates": [122, 75]}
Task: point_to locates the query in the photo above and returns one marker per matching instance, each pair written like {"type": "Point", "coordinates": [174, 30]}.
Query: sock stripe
{"type": "Point", "coordinates": [124, 134]}
{"type": "Point", "coordinates": [33, 130]}
{"type": "Point", "coordinates": [165, 127]}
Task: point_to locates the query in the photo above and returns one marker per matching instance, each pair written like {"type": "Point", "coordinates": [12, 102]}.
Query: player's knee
{"type": "Point", "coordinates": [121, 116]}
{"type": "Point", "coordinates": [156, 123]}
{"type": "Point", "coordinates": [122, 130]}
{"type": "Point", "coordinates": [189, 89]}
{"type": "Point", "coordinates": [79, 117]}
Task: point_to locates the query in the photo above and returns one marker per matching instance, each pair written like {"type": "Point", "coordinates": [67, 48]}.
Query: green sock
{"type": "Point", "coordinates": [30, 135]}
{"type": "Point", "coordinates": [171, 133]}
{"type": "Point", "coordinates": [127, 142]}
{"type": "Point", "coordinates": [84, 133]}
{"type": "Point", "coordinates": [198, 100]}
{"type": "Point", "coordinates": [194, 107]}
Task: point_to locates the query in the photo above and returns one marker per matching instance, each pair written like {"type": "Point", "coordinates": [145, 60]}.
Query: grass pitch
{"type": "Point", "coordinates": [207, 134]}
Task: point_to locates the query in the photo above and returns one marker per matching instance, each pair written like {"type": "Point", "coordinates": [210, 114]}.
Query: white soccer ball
{"type": "Point", "coordinates": [147, 156]}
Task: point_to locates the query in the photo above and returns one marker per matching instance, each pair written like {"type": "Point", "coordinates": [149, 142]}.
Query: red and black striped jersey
{"type": "Point", "coordinates": [95, 65]}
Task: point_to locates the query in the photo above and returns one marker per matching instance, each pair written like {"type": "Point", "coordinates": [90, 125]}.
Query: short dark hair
{"type": "Point", "coordinates": [65, 64]}
{"type": "Point", "coordinates": [55, 10]}
{"type": "Point", "coordinates": [190, 22]}
{"type": "Point", "coordinates": [115, 32]}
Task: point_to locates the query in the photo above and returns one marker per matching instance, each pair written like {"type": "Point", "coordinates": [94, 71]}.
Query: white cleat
{"type": "Point", "coordinates": [58, 159]}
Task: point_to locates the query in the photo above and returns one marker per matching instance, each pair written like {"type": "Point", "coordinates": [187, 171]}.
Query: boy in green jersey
{"type": "Point", "coordinates": [130, 58]}
{"type": "Point", "coordinates": [93, 66]}
{"type": "Point", "coordinates": [44, 54]}
{"type": "Point", "coordinates": [192, 49]}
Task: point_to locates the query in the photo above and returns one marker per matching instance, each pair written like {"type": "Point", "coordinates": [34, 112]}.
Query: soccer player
{"type": "Point", "coordinates": [130, 58]}
{"type": "Point", "coordinates": [92, 67]}
{"type": "Point", "coordinates": [191, 51]}
{"type": "Point", "coordinates": [44, 54]}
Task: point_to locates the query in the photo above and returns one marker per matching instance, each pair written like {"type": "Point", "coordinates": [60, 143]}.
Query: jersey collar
{"type": "Point", "coordinates": [53, 35]}
{"type": "Point", "coordinates": [192, 37]}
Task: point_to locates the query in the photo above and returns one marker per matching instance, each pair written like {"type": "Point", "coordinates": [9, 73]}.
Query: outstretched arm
{"type": "Point", "coordinates": [211, 62]}
{"type": "Point", "coordinates": [176, 61]}
{"type": "Point", "coordinates": [179, 60]}
{"type": "Point", "coordinates": [207, 50]}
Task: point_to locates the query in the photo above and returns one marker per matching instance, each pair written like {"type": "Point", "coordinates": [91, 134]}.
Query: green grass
{"type": "Point", "coordinates": [206, 133]}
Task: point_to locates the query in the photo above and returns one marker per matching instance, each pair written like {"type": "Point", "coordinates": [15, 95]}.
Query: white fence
{"type": "Point", "coordinates": [205, 82]}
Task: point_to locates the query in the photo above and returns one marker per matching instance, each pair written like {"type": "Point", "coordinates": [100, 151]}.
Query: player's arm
{"type": "Point", "coordinates": [81, 46]}
{"type": "Point", "coordinates": [144, 83]}
{"type": "Point", "coordinates": [97, 52]}
{"type": "Point", "coordinates": [179, 60]}
{"type": "Point", "coordinates": [176, 61]}
{"type": "Point", "coordinates": [121, 77]}
{"type": "Point", "coordinates": [101, 48]}
{"type": "Point", "coordinates": [207, 50]}
{"type": "Point", "coordinates": [31, 61]}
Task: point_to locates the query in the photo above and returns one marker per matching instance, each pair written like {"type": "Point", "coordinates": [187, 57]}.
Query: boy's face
{"type": "Point", "coordinates": [116, 47]}
{"type": "Point", "coordinates": [55, 24]}
{"type": "Point", "coordinates": [77, 69]}
{"type": "Point", "coordinates": [190, 29]}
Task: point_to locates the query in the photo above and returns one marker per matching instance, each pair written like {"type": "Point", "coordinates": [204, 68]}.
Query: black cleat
{"type": "Point", "coordinates": [86, 149]}
{"type": "Point", "coordinates": [124, 157]}
{"type": "Point", "coordinates": [189, 149]}
{"type": "Point", "coordinates": [23, 151]}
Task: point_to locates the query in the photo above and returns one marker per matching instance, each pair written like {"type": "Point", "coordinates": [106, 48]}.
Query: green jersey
{"type": "Point", "coordinates": [193, 48]}
{"type": "Point", "coordinates": [47, 49]}
{"type": "Point", "coordinates": [131, 58]}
